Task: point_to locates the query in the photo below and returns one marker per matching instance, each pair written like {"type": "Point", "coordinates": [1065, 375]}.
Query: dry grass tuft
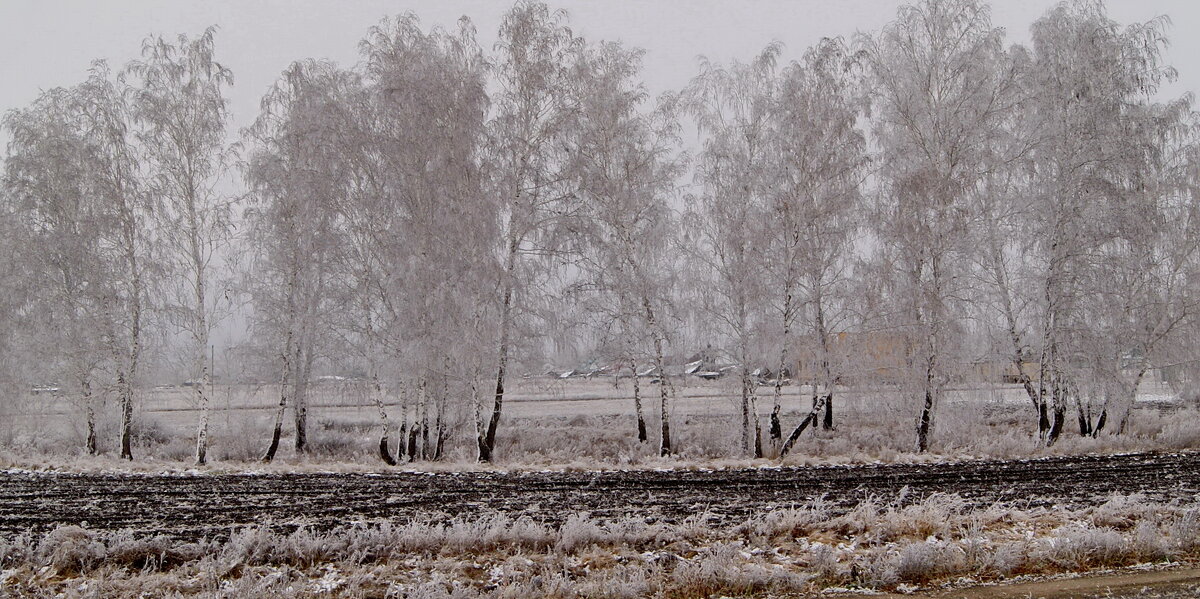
{"type": "Point", "coordinates": [874, 546]}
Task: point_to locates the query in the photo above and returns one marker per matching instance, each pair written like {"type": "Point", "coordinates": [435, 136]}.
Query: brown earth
{"type": "Point", "coordinates": [190, 506]}
{"type": "Point", "coordinates": [1165, 584]}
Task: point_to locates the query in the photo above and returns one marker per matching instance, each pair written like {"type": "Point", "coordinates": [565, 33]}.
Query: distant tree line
{"type": "Point", "coordinates": [438, 214]}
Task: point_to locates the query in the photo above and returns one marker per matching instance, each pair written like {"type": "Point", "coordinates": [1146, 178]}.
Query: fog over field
{"type": "Point", "coordinates": [676, 299]}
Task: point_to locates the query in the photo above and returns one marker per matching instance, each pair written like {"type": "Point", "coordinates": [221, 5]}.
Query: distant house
{"type": "Point", "coordinates": [882, 357]}
{"type": "Point", "coordinates": [996, 370]}
{"type": "Point", "coordinates": [704, 364]}
{"type": "Point", "coordinates": [855, 358]}
{"type": "Point", "coordinates": [597, 368]}
{"type": "Point", "coordinates": [1180, 374]}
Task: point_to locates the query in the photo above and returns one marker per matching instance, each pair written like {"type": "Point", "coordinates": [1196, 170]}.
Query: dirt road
{"type": "Point", "coordinates": [190, 506]}
{"type": "Point", "coordinates": [1182, 583]}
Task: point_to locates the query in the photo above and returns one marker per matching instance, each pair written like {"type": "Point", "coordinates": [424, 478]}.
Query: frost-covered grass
{"type": "Point", "coordinates": [877, 545]}
{"type": "Point", "coordinates": [595, 442]}
{"type": "Point", "coordinates": [544, 430]}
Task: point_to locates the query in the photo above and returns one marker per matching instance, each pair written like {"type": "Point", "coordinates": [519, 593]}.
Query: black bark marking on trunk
{"type": "Point", "coordinates": [665, 448]}
{"type": "Point", "coordinates": [301, 429]}
{"type": "Point", "coordinates": [827, 424]}
{"type": "Point", "coordinates": [488, 445]}
{"type": "Point", "coordinates": [1043, 420]}
{"type": "Point", "coordinates": [413, 433]}
{"type": "Point", "coordinates": [489, 440]}
{"type": "Point", "coordinates": [277, 431]}
{"type": "Point", "coordinates": [1100, 423]}
{"type": "Point", "coordinates": [426, 447]}
{"type": "Point", "coordinates": [485, 453]}
{"type": "Point", "coordinates": [126, 417]}
{"type": "Point", "coordinates": [637, 404]}
{"type": "Point", "coordinates": [274, 446]}
{"type": "Point", "coordinates": [91, 418]}
{"type": "Point", "coordinates": [402, 438]}
{"type": "Point", "coordinates": [385, 452]}
{"type": "Point", "coordinates": [1060, 417]}
{"type": "Point", "coordinates": [758, 446]}
{"type": "Point", "coordinates": [300, 404]}
{"type": "Point", "coordinates": [810, 419]}
{"type": "Point", "coordinates": [926, 423]}
{"type": "Point", "coordinates": [91, 437]}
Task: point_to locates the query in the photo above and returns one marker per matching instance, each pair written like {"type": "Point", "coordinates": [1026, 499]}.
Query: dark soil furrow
{"type": "Point", "coordinates": [192, 506]}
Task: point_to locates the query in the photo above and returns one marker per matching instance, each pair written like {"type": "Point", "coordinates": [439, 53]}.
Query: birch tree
{"type": "Point", "coordinates": [528, 127]}
{"type": "Point", "coordinates": [606, 295]}
{"type": "Point", "coordinates": [819, 161]}
{"type": "Point", "coordinates": [297, 179]}
{"type": "Point", "coordinates": [14, 292]}
{"type": "Point", "coordinates": [435, 225]}
{"type": "Point", "coordinates": [59, 233]}
{"type": "Point", "coordinates": [105, 104]}
{"type": "Point", "coordinates": [937, 93]}
{"type": "Point", "coordinates": [1005, 294]}
{"type": "Point", "coordinates": [15, 298]}
{"type": "Point", "coordinates": [1089, 85]}
{"type": "Point", "coordinates": [182, 111]}
{"type": "Point", "coordinates": [367, 226]}
{"type": "Point", "coordinates": [732, 106]}
{"type": "Point", "coordinates": [625, 169]}
{"type": "Point", "coordinates": [1141, 291]}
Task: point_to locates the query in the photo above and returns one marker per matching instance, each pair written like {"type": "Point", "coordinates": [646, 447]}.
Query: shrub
{"type": "Point", "coordinates": [578, 532]}
{"type": "Point", "coordinates": [823, 563]}
{"type": "Point", "coordinates": [151, 553]}
{"type": "Point", "coordinates": [934, 516]}
{"type": "Point", "coordinates": [792, 522]}
{"type": "Point", "coordinates": [1186, 530]}
{"type": "Point", "coordinates": [497, 556]}
{"type": "Point", "coordinates": [1120, 512]}
{"type": "Point", "coordinates": [722, 569]}
{"type": "Point", "coordinates": [927, 560]}
{"type": "Point", "coordinates": [71, 550]}
{"type": "Point", "coordinates": [1005, 559]}
{"type": "Point", "coordinates": [1076, 547]}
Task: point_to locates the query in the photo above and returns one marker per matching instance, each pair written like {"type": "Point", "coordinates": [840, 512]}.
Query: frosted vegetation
{"type": "Point", "coordinates": [453, 253]}
{"type": "Point", "coordinates": [893, 546]}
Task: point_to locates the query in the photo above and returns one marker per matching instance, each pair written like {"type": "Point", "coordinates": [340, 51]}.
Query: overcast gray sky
{"type": "Point", "coordinates": [44, 44]}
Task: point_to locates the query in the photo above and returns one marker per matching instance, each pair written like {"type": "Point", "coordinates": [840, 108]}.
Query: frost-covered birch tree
{"type": "Point", "coordinates": [104, 100]}
{"type": "Point", "coordinates": [14, 294]}
{"type": "Point", "coordinates": [817, 170]}
{"type": "Point", "coordinates": [732, 106]}
{"type": "Point", "coordinates": [179, 104]}
{"type": "Point", "coordinates": [625, 168]}
{"type": "Point", "coordinates": [367, 224]}
{"type": "Point", "coordinates": [433, 226]}
{"type": "Point", "coordinates": [297, 180]}
{"type": "Point", "coordinates": [59, 232]}
{"type": "Point", "coordinates": [1140, 289]}
{"type": "Point", "coordinates": [1093, 210]}
{"type": "Point", "coordinates": [936, 90]}
{"type": "Point", "coordinates": [528, 130]}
